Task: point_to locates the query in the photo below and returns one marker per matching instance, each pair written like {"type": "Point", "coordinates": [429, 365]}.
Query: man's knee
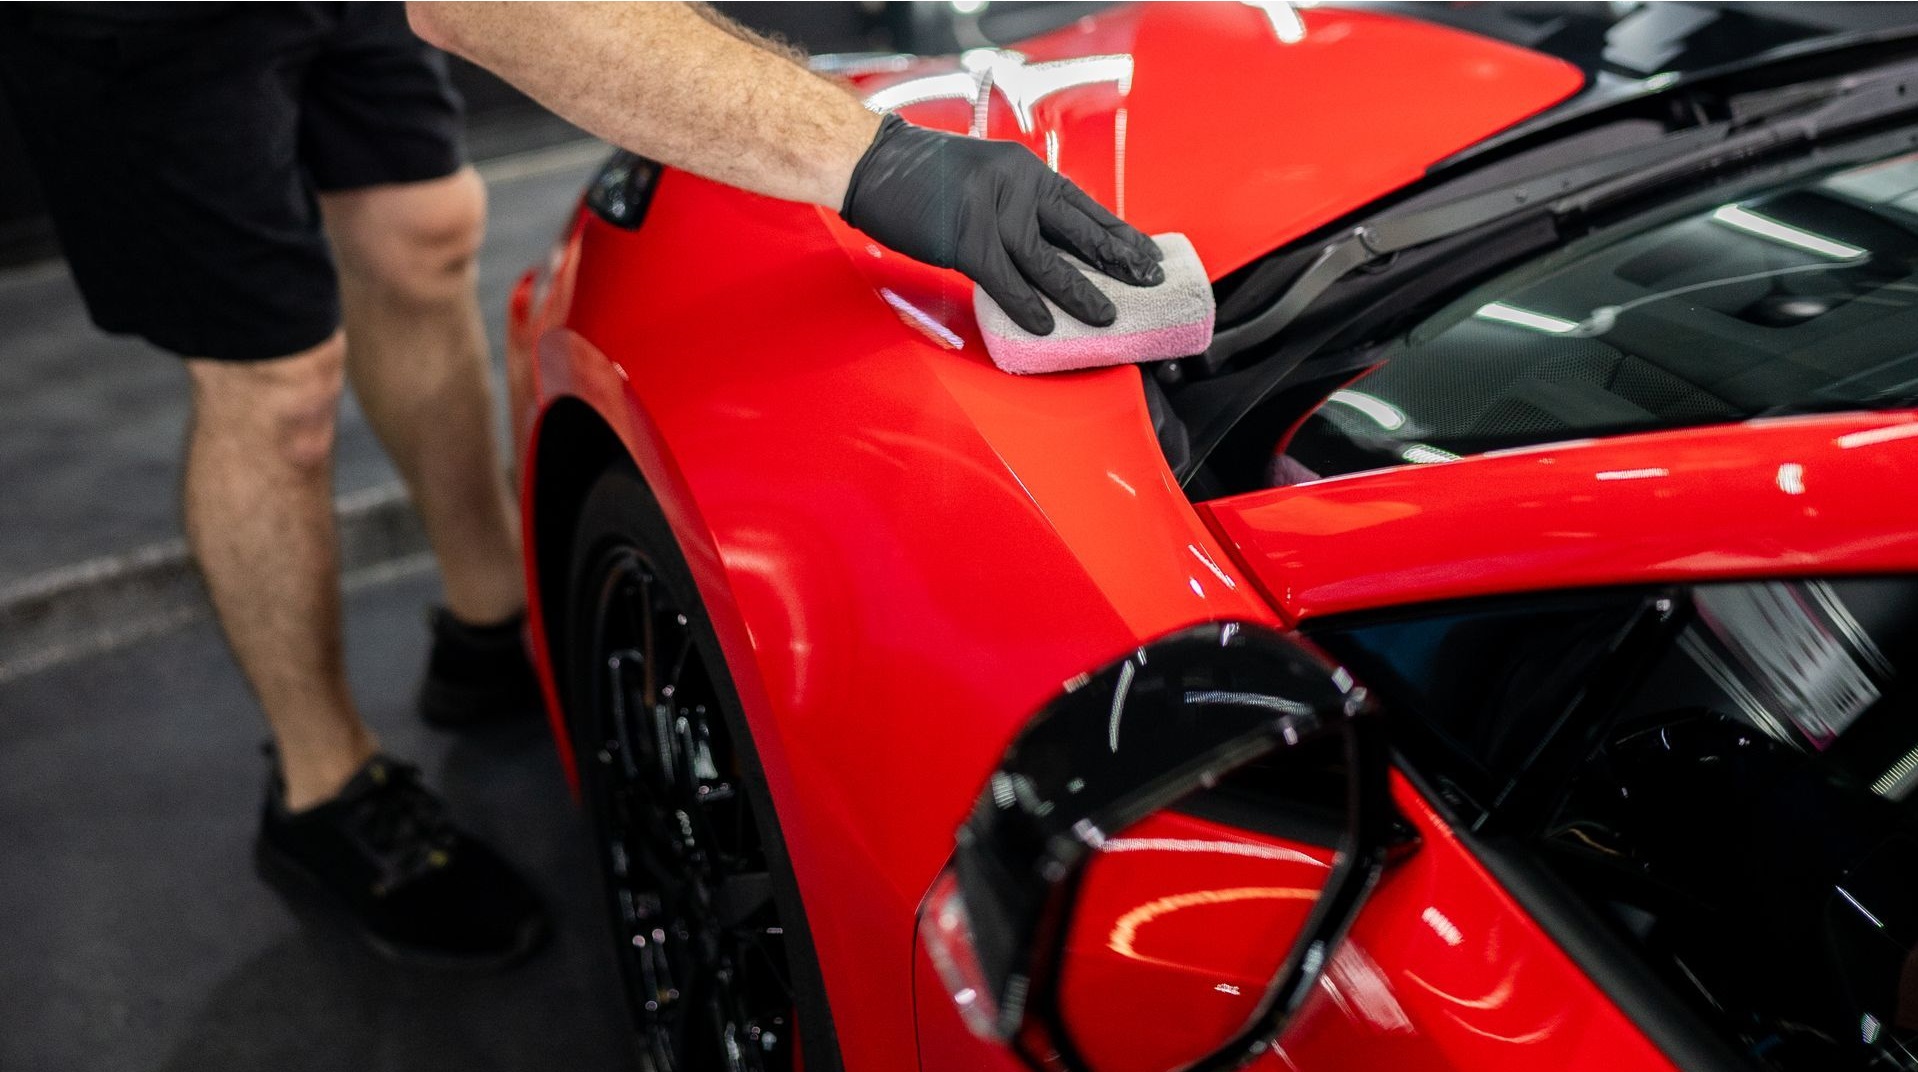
{"type": "Point", "coordinates": [285, 409]}
{"type": "Point", "coordinates": [416, 243]}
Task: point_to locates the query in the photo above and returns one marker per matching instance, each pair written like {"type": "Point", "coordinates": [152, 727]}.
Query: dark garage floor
{"type": "Point", "coordinates": [134, 934]}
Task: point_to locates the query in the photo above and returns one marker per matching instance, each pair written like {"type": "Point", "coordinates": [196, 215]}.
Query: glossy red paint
{"type": "Point", "coordinates": [903, 551]}
{"type": "Point", "coordinates": [1145, 938]}
{"type": "Point", "coordinates": [1442, 972]}
{"type": "Point", "coordinates": [1773, 497]}
{"type": "Point", "coordinates": [1283, 127]}
{"type": "Point", "coordinates": [896, 542]}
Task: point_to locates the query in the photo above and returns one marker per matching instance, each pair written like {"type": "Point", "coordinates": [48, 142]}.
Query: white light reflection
{"type": "Point", "coordinates": [1791, 478]}
{"type": "Point", "coordinates": [1218, 848]}
{"type": "Point", "coordinates": [1896, 783]}
{"type": "Point", "coordinates": [1649, 473]}
{"type": "Point", "coordinates": [1206, 561]}
{"type": "Point", "coordinates": [1383, 413]}
{"type": "Point", "coordinates": [958, 85]}
{"type": "Point", "coordinates": [1284, 17]}
{"type": "Point", "coordinates": [1758, 225]}
{"type": "Point", "coordinates": [1874, 436]}
{"type": "Point", "coordinates": [1423, 454]}
{"type": "Point", "coordinates": [1002, 793]}
{"type": "Point", "coordinates": [1361, 990]}
{"type": "Point", "coordinates": [1024, 85]}
{"type": "Point", "coordinates": [920, 319]}
{"type": "Point", "coordinates": [1126, 672]}
{"type": "Point", "coordinates": [1862, 910]}
{"type": "Point", "coordinates": [1503, 313]}
{"type": "Point", "coordinates": [1123, 938]}
{"type": "Point", "coordinates": [1442, 926]}
{"type": "Point", "coordinates": [1248, 699]}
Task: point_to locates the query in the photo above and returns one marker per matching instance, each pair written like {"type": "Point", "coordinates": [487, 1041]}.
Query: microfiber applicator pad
{"type": "Point", "coordinates": [1173, 319]}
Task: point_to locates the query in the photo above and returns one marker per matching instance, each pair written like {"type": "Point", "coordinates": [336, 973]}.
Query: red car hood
{"type": "Point", "coordinates": [1243, 125]}
{"type": "Point", "coordinates": [1771, 497]}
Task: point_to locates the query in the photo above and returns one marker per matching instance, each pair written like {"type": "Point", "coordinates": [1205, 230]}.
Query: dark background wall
{"type": "Point", "coordinates": [503, 121]}
{"type": "Point", "coordinates": [500, 119]}
{"type": "Point", "coordinates": [1620, 39]}
{"type": "Point", "coordinates": [23, 232]}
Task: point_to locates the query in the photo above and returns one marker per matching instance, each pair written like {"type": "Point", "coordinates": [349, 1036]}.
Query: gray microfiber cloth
{"type": "Point", "coordinates": [1173, 319]}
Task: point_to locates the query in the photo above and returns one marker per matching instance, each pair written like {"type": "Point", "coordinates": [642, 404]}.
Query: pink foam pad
{"type": "Point", "coordinates": [1173, 319]}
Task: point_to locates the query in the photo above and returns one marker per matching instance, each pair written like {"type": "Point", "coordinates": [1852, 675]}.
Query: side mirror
{"type": "Point", "coordinates": [1043, 926]}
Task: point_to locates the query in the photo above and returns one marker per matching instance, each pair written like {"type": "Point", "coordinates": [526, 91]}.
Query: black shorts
{"type": "Point", "coordinates": [181, 157]}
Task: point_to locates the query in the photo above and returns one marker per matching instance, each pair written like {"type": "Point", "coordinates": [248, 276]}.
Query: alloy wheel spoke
{"type": "Point", "coordinates": [703, 954]}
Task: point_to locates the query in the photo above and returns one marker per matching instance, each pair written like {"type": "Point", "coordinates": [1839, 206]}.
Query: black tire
{"type": "Point", "coordinates": [706, 917]}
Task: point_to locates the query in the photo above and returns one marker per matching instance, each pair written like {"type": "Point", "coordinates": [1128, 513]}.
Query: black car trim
{"type": "Point", "coordinates": [1783, 66]}
{"type": "Point", "coordinates": [1799, 118]}
{"type": "Point", "coordinates": [1383, 293]}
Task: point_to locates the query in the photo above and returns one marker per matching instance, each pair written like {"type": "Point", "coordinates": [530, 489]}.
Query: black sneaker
{"type": "Point", "coordinates": [477, 673]}
{"type": "Point", "coordinates": [418, 888]}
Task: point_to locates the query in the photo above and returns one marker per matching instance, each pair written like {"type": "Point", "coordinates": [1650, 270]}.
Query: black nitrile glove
{"type": "Point", "coordinates": [994, 211]}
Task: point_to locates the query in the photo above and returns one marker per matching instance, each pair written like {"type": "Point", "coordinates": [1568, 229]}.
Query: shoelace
{"type": "Point", "coordinates": [403, 826]}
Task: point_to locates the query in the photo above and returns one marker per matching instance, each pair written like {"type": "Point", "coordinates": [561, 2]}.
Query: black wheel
{"type": "Point", "coordinates": [708, 929]}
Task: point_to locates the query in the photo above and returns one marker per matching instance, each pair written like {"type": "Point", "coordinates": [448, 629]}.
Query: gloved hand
{"type": "Point", "coordinates": [994, 211]}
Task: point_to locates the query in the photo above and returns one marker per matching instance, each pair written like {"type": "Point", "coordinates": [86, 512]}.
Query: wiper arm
{"type": "Point", "coordinates": [1373, 242]}
{"type": "Point", "coordinates": [1775, 120]}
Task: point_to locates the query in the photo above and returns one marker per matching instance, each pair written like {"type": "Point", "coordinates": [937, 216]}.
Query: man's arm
{"type": "Point", "coordinates": [679, 84]}
{"type": "Point", "coordinates": [669, 81]}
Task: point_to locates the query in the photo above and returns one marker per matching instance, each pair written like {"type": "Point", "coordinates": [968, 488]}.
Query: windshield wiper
{"type": "Point", "coordinates": [1764, 122]}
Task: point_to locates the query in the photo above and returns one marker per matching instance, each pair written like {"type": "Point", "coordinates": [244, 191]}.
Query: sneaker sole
{"type": "Point", "coordinates": [294, 881]}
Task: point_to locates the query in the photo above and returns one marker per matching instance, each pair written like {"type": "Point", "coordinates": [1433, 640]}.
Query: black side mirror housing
{"type": "Point", "coordinates": [1114, 748]}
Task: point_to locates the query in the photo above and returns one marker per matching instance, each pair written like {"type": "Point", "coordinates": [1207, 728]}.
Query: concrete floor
{"type": "Point", "coordinates": [135, 936]}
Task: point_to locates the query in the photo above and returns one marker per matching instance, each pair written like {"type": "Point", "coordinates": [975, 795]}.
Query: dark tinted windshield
{"type": "Point", "coordinates": [1800, 297]}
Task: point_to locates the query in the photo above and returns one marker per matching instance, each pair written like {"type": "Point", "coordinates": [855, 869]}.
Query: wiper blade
{"type": "Point", "coordinates": [1763, 123]}
{"type": "Point", "coordinates": [1373, 242]}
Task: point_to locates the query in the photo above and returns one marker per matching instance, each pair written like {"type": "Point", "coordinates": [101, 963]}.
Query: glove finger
{"type": "Point", "coordinates": [1071, 228]}
{"type": "Point", "coordinates": [1069, 290]}
{"type": "Point", "coordinates": [1004, 284]}
{"type": "Point", "coordinates": [1131, 237]}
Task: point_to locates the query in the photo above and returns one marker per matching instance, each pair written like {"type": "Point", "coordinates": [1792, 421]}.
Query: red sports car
{"type": "Point", "coordinates": [1496, 651]}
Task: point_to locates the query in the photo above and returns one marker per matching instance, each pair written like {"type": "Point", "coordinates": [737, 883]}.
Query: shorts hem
{"type": "Point", "coordinates": [391, 176]}
{"type": "Point", "coordinates": [227, 351]}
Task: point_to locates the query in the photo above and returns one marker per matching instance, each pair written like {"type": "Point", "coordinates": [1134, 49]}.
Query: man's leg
{"type": "Point", "coordinates": [416, 353]}
{"type": "Point", "coordinates": [259, 515]}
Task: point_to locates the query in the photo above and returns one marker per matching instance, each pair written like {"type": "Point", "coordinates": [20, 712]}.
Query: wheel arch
{"type": "Point", "coordinates": [572, 445]}
{"type": "Point", "coordinates": [573, 442]}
